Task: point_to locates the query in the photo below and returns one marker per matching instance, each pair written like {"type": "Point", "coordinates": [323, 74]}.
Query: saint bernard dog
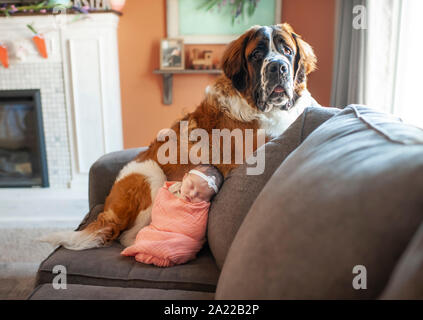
{"type": "Point", "coordinates": [263, 86]}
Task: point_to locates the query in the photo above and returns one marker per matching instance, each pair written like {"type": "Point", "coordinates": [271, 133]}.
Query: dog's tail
{"type": "Point", "coordinates": [74, 240]}
{"type": "Point", "coordinates": [97, 234]}
{"type": "Point", "coordinates": [146, 175]}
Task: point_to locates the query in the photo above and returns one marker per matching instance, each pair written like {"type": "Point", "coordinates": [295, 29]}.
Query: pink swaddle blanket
{"type": "Point", "coordinates": [176, 233]}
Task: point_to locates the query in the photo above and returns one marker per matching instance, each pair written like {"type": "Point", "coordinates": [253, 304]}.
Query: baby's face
{"type": "Point", "coordinates": [195, 189]}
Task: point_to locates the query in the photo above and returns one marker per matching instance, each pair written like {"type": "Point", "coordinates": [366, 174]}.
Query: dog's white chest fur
{"type": "Point", "coordinates": [274, 122]}
{"type": "Point", "coordinates": [277, 121]}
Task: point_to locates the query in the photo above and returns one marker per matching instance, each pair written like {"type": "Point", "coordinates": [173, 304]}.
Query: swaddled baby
{"type": "Point", "coordinates": [178, 219]}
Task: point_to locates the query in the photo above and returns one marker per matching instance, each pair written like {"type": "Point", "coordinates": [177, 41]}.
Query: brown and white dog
{"type": "Point", "coordinates": [263, 87]}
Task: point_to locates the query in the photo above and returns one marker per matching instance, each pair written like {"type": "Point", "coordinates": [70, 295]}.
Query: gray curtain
{"type": "Point", "coordinates": [349, 77]}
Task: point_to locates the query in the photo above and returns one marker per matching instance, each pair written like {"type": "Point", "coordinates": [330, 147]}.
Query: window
{"type": "Point", "coordinates": [394, 66]}
{"type": "Point", "coordinates": [408, 103]}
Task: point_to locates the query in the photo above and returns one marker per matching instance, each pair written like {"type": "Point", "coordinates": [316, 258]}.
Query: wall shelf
{"type": "Point", "coordinates": [168, 79]}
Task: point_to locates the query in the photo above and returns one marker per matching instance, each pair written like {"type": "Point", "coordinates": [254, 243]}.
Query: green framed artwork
{"type": "Point", "coordinates": [186, 19]}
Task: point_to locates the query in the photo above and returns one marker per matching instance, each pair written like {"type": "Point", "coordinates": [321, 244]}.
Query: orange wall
{"type": "Point", "coordinates": [142, 26]}
{"type": "Point", "coordinates": [314, 20]}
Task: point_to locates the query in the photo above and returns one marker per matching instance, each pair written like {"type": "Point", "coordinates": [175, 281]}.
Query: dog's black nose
{"type": "Point", "coordinates": [278, 66]}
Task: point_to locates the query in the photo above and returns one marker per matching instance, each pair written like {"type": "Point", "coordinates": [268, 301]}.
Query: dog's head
{"type": "Point", "coordinates": [269, 66]}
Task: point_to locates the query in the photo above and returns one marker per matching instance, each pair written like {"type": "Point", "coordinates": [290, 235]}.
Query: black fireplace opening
{"type": "Point", "coordinates": [23, 161]}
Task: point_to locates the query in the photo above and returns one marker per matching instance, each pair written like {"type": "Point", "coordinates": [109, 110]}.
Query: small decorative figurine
{"type": "Point", "coordinates": [201, 63]}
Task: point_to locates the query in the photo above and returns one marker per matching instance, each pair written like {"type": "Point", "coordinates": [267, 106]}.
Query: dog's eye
{"type": "Point", "coordinates": [287, 50]}
{"type": "Point", "coordinates": [257, 55]}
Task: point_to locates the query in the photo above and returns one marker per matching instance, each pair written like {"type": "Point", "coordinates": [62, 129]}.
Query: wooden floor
{"type": "Point", "coordinates": [18, 288]}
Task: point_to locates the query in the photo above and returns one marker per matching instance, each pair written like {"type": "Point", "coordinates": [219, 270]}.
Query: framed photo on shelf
{"type": "Point", "coordinates": [172, 56]}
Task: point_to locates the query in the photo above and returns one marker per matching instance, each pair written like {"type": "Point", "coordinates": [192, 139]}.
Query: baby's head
{"type": "Point", "coordinates": [201, 183]}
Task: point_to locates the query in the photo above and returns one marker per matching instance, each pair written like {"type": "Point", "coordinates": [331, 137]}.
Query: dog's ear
{"type": "Point", "coordinates": [234, 64]}
{"type": "Point", "coordinates": [305, 59]}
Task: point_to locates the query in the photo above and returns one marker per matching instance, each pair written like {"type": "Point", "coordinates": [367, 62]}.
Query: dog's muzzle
{"type": "Point", "coordinates": [277, 84]}
{"type": "Point", "coordinates": [279, 76]}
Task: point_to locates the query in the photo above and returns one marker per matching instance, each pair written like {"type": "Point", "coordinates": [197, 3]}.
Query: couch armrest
{"type": "Point", "coordinates": [104, 171]}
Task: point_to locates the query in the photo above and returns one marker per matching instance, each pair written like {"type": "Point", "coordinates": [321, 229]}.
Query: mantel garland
{"type": "Point", "coordinates": [54, 6]}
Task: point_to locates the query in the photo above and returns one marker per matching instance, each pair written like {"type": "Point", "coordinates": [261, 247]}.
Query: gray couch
{"type": "Point", "coordinates": [341, 188]}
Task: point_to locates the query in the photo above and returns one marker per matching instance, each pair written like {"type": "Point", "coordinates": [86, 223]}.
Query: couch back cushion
{"type": "Point", "coordinates": [239, 191]}
{"type": "Point", "coordinates": [350, 195]}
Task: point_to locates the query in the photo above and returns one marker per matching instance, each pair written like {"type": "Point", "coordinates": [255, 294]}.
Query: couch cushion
{"type": "Point", "coordinates": [351, 194]}
{"type": "Point", "coordinates": [239, 191]}
{"type": "Point", "coordinates": [406, 282]}
{"type": "Point", "coordinates": [85, 292]}
{"type": "Point", "coordinates": [106, 267]}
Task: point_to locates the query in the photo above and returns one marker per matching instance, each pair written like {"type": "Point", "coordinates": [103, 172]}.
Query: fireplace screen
{"type": "Point", "coordinates": [22, 148]}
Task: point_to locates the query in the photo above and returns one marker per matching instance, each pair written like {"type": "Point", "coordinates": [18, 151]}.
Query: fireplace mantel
{"type": "Point", "coordinates": [79, 84]}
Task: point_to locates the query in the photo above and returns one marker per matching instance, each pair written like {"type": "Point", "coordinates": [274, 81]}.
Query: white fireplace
{"type": "Point", "coordinates": [79, 86]}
